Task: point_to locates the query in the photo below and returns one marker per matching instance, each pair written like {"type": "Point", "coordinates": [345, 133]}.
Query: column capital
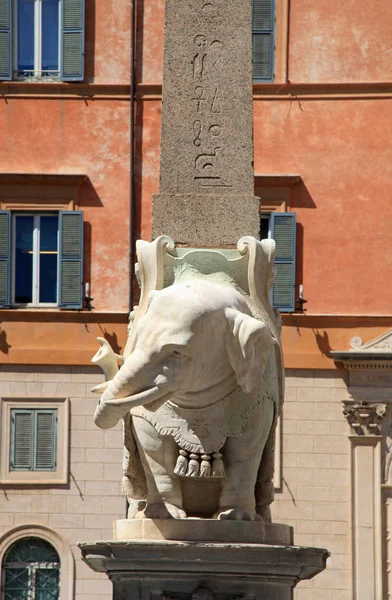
{"type": "Point", "coordinates": [364, 418]}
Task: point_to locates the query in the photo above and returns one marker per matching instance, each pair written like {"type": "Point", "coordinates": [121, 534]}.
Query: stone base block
{"type": "Point", "coordinates": [205, 221]}
{"type": "Point", "coordinates": [175, 570]}
{"type": "Point", "coordinates": [203, 530]}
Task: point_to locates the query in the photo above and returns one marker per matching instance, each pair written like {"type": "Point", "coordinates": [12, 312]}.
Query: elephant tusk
{"type": "Point", "coordinates": [144, 397]}
{"type": "Point", "coordinates": [109, 412]}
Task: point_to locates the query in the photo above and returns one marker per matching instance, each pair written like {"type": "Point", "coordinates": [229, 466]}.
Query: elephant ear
{"type": "Point", "coordinates": [248, 345]}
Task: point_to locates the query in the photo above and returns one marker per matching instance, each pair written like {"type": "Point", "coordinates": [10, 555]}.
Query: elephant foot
{"type": "Point", "coordinates": [264, 512]}
{"type": "Point", "coordinates": [236, 514]}
{"type": "Point", "coordinates": [164, 510]}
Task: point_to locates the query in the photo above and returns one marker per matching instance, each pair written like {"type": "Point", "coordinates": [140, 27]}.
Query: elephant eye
{"type": "Point", "coordinates": [175, 354]}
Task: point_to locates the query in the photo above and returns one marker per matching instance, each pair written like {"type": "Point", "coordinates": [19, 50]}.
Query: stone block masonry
{"type": "Point", "coordinates": [315, 492]}
{"type": "Point", "coordinates": [84, 508]}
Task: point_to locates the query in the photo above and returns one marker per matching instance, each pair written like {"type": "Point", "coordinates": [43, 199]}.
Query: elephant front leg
{"type": "Point", "coordinates": [158, 454]}
{"type": "Point", "coordinates": [242, 456]}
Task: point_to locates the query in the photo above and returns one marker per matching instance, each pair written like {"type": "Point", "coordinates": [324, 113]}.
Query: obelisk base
{"type": "Point", "coordinates": [209, 221]}
{"type": "Point", "coordinates": [162, 569]}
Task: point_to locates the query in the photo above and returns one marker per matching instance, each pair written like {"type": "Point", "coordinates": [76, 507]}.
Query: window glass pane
{"type": "Point", "coordinates": [25, 35]}
{"type": "Point", "coordinates": [16, 584]}
{"type": "Point", "coordinates": [30, 550]}
{"type": "Point", "coordinates": [264, 227]}
{"type": "Point", "coordinates": [47, 584]}
{"type": "Point", "coordinates": [24, 228]}
{"type": "Point", "coordinates": [50, 35]}
{"type": "Point", "coordinates": [48, 259]}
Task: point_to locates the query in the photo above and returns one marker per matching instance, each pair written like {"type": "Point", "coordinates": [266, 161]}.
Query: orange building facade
{"type": "Point", "coordinates": [322, 151]}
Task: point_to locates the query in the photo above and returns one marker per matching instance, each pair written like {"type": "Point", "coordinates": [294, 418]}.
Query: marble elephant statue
{"type": "Point", "coordinates": [198, 389]}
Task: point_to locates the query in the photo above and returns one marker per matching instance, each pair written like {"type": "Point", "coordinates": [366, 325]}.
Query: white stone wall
{"type": "Point", "coordinates": [314, 497]}
{"type": "Point", "coordinates": [84, 509]}
{"type": "Point", "coordinates": [315, 491]}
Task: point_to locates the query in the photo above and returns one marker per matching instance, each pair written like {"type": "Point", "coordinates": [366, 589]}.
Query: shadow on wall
{"type": "Point", "coordinates": [89, 65]}
{"type": "Point", "coordinates": [112, 339]}
{"type": "Point", "coordinates": [4, 345]}
{"type": "Point", "coordinates": [86, 253]}
{"type": "Point", "coordinates": [139, 39]}
{"type": "Point", "coordinates": [300, 198]}
{"type": "Point", "coordinates": [87, 196]}
{"type": "Point", "coordinates": [322, 341]}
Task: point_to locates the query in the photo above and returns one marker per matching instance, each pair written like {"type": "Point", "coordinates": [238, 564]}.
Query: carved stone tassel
{"type": "Point", "coordinates": [205, 467]}
{"type": "Point", "coordinates": [193, 467]}
{"type": "Point", "coordinates": [218, 470]}
{"type": "Point", "coordinates": [182, 463]}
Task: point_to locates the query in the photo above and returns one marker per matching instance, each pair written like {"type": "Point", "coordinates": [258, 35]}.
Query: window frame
{"type": "Point", "coordinates": [37, 73]}
{"type": "Point", "coordinates": [67, 561]}
{"type": "Point", "coordinates": [36, 255]}
{"type": "Point", "coordinates": [32, 569]}
{"type": "Point", "coordinates": [57, 476]}
{"type": "Point", "coordinates": [34, 412]}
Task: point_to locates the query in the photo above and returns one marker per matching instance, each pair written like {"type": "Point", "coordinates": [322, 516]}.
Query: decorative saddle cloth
{"type": "Point", "coordinates": [200, 433]}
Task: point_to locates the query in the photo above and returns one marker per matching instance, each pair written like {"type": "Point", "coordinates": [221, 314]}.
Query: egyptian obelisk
{"type": "Point", "coordinates": [206, 175]}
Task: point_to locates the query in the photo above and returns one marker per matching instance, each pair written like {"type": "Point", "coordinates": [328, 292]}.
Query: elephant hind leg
{"type": "Point", "coordinates": [242, 457]}
{"type": "Point", "coordinates": [158, 454]}
{"type": "Point", "coordinates": [265, 489]}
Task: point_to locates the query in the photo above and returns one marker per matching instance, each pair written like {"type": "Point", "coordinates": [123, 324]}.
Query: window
{"type": "Point", "coordinates": [41, 256]}
{"type": "Point", "coordinates": [35, 259]}
{"type": "Point", "coordinates": [42, 40]}
{"type": "Point", "coordinates": [33, 440]}
{"type": "Point", "coordinates": [263, 31]}
{"type": "Point", "coordinates": [31, 571]}
{"type": "Point", "coordinates": [281, 227]}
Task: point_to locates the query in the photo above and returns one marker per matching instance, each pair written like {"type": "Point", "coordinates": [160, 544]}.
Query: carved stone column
{"type": "Point", "coordinates": [365, 423]}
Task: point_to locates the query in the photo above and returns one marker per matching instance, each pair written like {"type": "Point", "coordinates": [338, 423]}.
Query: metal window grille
{"type": "Point", "coordinates": [31, 571]}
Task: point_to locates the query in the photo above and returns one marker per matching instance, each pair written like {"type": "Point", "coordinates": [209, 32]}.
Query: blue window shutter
{"type": "Point", "coordinates": [45, 440]}
{"type": "Point", "coordinates": [5, 257]}
{"type": "Point", "coordinates": [72, 40]}
{"type": "Point", "coordinates": [22, 440]}
{"type": "Point", "coordinates": [263, 39]}
{"type": "Point", "coordinates": [5, 40]}
{"type": "Point", "coordinates": [283, 230]}
{"type": "Point", "coordinates": [70, 259]}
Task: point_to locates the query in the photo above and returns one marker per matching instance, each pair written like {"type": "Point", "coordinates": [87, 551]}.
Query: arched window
{"type": "Point", "coordinates": [30, 571]}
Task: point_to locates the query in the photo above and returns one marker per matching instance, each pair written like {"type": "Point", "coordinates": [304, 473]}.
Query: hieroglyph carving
{"type": "Point", "coordinates": [201, 386]}
{"type": "Point", "coordinates": [207, 127]}
{"type": "Point", "coordinates": [364, 418]}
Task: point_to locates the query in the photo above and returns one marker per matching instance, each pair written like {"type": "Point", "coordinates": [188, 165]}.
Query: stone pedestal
{"type": "Point", "coordinates": [236, 559]}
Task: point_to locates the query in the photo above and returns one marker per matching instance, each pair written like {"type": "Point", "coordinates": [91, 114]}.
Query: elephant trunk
{"type": "Point", "coordinates": [108, 412]}
{"type": "Point", "coordinates": [133, 385]}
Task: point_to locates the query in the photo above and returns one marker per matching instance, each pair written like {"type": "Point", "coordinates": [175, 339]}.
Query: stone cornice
{"type": "Point", "coordinates": [370, 360]}
{"type": "Point", "coordinates": [292, 91]}
{"type": "Point", "coordinates": [376, 354]}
